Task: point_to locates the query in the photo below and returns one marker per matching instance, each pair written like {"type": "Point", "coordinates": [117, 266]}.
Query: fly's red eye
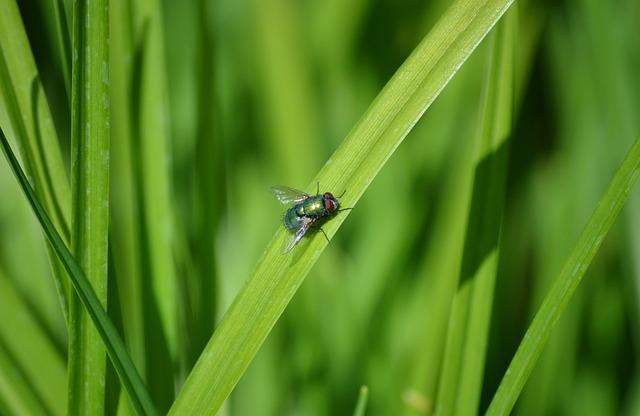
{"type": "Point", "coordinates": [327, 195]}
{"type": "Point", "coordinates": [329, 205]}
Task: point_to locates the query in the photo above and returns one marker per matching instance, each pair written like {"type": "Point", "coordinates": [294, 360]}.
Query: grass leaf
{"type": "Point", "coordinates": [129, 376]}
{"type": "Point", "coordinates": [90, 117]}
{"type": "Point", "coordinates": [566, 283]}
{"type": "Point", "coordinates": [463, 367]}
{"type": "Point", "coordinates": [152, 152]}
{"type": "Point", "coordinates": [352, 168]}
{"type": "Point", "coordinates": [25, 113]}
{"type": "Point", "coordinates": [64, 44]}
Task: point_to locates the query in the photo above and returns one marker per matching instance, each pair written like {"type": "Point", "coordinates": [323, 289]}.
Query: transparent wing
{"type": "Point", "coordinates": [288, 195]}
{"type": "Point", "coordinates": [293, 239]}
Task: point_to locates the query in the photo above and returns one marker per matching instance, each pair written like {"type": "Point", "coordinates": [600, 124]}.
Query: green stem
{"type": "Point", "coordinates": [90, 195]}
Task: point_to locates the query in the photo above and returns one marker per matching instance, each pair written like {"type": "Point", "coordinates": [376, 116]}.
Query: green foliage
{"type": "Point", "coordinates": [83, 287]}
{"type": "Point", "coordinates": [147, 134]}
{"type": "Point", "coordinates": [353, 166]}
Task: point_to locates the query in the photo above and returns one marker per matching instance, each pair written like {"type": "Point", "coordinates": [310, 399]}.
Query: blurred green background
{"type": "Point", "coordinates": [261, 92]}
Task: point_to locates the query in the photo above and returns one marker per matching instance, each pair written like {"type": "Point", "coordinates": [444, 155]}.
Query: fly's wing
{"type": "Point", "coordinates": [288, 195]}
{"type": "Point", "coordinates": [291, 242]}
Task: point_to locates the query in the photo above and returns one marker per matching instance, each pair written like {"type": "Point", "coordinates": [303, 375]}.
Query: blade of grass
{"type": "Point", "coordinates": [24, 260]}
{"type": "Point", "coordinates": [361, 405]}
{"type": "Point", "coordinates": [90, 191]}
{"type": "Point", "coordinates": [64, 44]}
{"type": "Point", "coordinates": [151, 155]}
{"type": "Point", "coordinates": [566, 283]}
{"type": "Point", "coordinates": [461, 382]}
{"type": "Point", "coordinates": [125, 237]}
{"type": "Point", "coordinates": [209, 175]}
{"type": "Point", "coordinates": [28, 116]}
{"type": "Point", "coordinates": [352, 167]}
{"type": "Point", "coordinates": [26, 113]}
{"type": "Point", "coordinates": [129, 376]}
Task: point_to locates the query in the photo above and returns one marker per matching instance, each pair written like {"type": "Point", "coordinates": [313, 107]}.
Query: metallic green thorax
{"type": "Point", "coordinates": [312, 207]}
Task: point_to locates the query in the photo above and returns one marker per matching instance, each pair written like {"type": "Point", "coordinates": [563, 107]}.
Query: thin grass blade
{"type": "Point", "coordinates": [138, 395]}
{"type": "Point", "coordinates": [566, 283]}
{"type": "Point", "coordinates": [25, 113]}
{"type": "Point", "coordinates": [64, 44]}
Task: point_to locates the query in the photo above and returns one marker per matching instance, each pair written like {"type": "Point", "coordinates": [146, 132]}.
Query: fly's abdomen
{"type": "Point", "coordinates": [291, 219]}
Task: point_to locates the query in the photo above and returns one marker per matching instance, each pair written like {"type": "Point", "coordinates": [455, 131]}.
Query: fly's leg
{"type": "Point", "coordinates": [325, 234]}
{"type": "Point", "coordinates": [318, 188]}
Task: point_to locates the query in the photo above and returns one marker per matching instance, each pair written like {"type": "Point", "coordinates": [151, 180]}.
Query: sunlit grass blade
{"type": "Point", "coordinates": [361, 405]}
{"type": "Point", "coordinates": [566, 283]}
{"type": "Point", "coordinates": [352, 168]}
{"type": "Point", "coordinates": [90, 118]}
{"type": "Point", "coordinates": [129, 376]}
{"type": "Point", "coordinates": [463, 368]}
{"type": "Point", "coordinates": [25, 112]}
{"type": "Point", "coordinates": [39, 362]}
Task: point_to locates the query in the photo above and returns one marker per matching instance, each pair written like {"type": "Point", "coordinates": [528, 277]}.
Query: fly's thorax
{"type": "Point", "coordinates": [312, 207]}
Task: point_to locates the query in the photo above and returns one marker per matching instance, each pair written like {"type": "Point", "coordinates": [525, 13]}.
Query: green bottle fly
{"type": "Point", "coordinates": [305, 212]}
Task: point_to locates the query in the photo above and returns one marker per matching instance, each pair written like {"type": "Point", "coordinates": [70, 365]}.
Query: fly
{"type": "Point", "coordinates": [306, 211]}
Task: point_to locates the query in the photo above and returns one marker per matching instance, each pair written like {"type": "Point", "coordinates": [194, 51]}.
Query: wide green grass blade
{"type": "Point", "coordinates": [462, 374]}
{"type": "Point", "coordinates": [90, 117]}
{"type": "Point", "coordinates": [352, 168]}
{"type": "Point", "coordinates": [566, 283]}
{"type": "Point", "coordinates": [129, 376]}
